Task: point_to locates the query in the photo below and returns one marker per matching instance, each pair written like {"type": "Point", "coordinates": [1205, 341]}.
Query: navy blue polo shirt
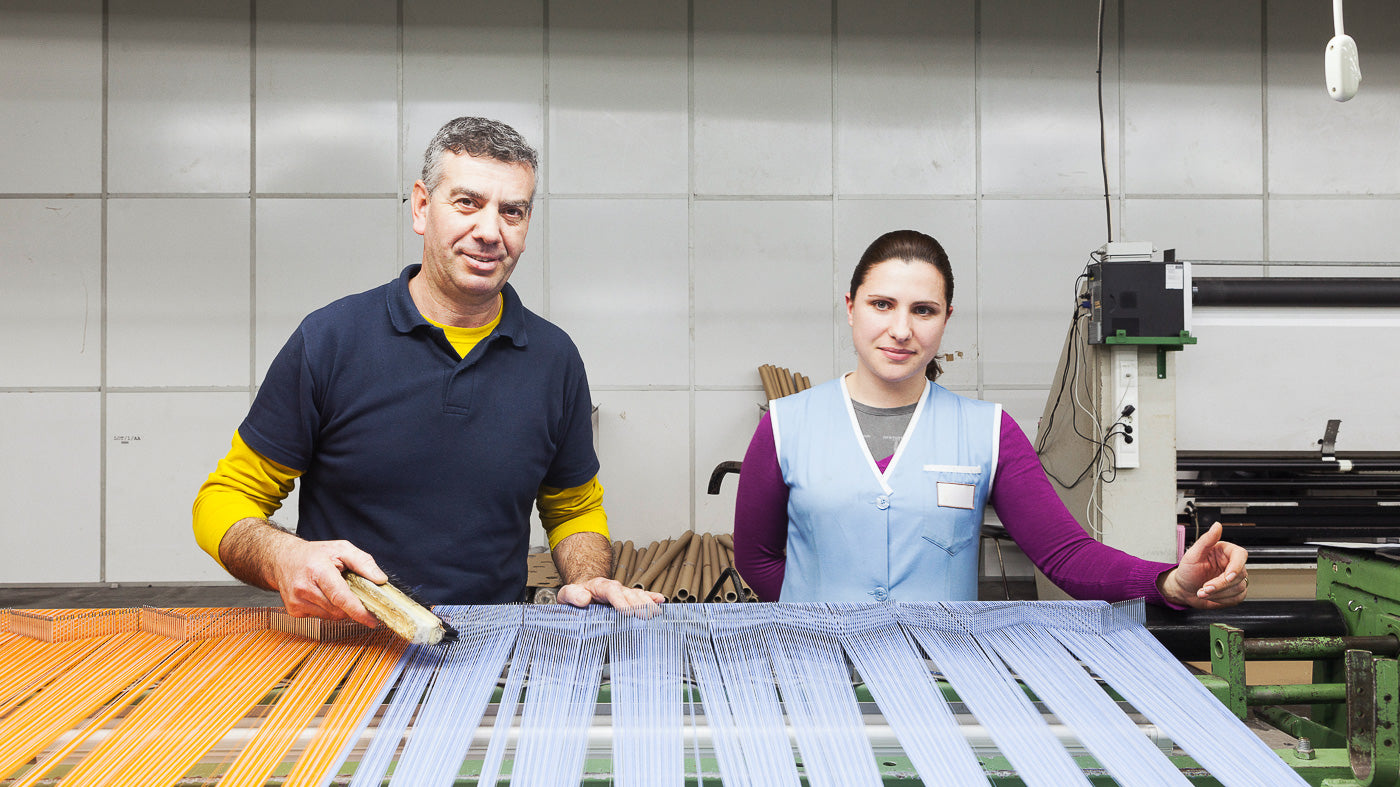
{"type": "Point", "coordinates": [427, 461]}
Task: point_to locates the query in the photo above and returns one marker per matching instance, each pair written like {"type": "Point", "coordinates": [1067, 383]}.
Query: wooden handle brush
{"type": "Point", "coordinates": [401, 614]}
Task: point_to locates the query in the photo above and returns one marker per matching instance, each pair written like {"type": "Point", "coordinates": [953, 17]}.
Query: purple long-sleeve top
{"type": "Point", "coordinates": [1027, 506]}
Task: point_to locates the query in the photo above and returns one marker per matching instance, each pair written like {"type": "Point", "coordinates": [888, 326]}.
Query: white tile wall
{"type": "Point", "coordinates": [711, 171]}
{"type": "Point", "coordinates": [178, 85]}
{"type": "Point", "coordinates": [620, 285]}
{"type": "Point", "coordinates": [1037, 98]}
{"type": "Point", "coordinates": [52, 135]}
{"type": "Point", "coordinates": [177, 292]}
{"type": "Point", "coordinates": [1277, 376]}
{"type": "Point", "coordinates": [160, 447]}
{"type": "Point", "coordinates": [618, 97]}
{"type": "Point", "coordinates": [905, 97]}
{"type": "Point", "coordinates": [532, 272]}
{"type": "Point", "coordinates": [51, 475]}
{"type": "Point", "coordinates": [643, 439]}
{"type": "Point", "coordinates": [1031, 253]}
{"type": "Point", "coordinates": [313, 251]}
{"type": "Point", "coordinates": [50, 292]}
{"type": "Point", "coordinates": [1317, 145]}
{"type": "Point", "coordinates": [1343, 230]}
{"type": "Point", "coordinates": [471, 58]}
{"type": "Point", "coordinates": [1192, 74]}
{"type": "Point", "coordinates": [1024, 405]}
{"type": "Point", "coordinates": [327, 113]}
{"type": "Point", "coordinates": [1199, 229]}
{"type": "Point", "coordinates": [953, 223]}
{"type": "Point", "coordinates": [763, 290]}
{"type": "Point", "coordinates": [763, 101]}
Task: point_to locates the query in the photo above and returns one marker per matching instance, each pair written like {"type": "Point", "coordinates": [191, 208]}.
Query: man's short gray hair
{"type": "Point", "coordinates": [476, 136]}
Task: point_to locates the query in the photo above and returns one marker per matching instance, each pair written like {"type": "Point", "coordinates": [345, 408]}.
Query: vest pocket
{"type": "Point", "coordinates": [951, 519]}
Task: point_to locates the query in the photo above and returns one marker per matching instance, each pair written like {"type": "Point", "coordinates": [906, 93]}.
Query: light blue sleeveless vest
{"type": "Point", "coordinates": [911, 534]}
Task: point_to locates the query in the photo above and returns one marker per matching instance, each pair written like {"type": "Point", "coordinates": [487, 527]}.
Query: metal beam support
{"type": "Point", "coordinates": [1227, 663]}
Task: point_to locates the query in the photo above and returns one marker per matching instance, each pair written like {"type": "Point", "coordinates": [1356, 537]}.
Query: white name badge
{"type": "Point", "coordinates": [951, 495]}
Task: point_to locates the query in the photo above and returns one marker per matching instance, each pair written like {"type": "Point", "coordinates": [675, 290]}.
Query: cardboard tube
{"type": "Point", "coordinates": [685, 586]}
{"type": "Point", "coordinates": [729, 592]}
{"type": "Point", "coordinates": [625, 556]}
{"type": "Point", "coordinates": [664, 561]}
{"type": "Point", "coordinates": [667, 567]}
{"type": "Point", "coordinates": [707, 568]}
{"type": "Point", "coordinates": [653, 555]}
{"type": "Point", "coordinates": [673, 575]}
{"type": "Point", "coordinates": [640, 560]}
{"type": "Point", "coordinates": [770, 386]}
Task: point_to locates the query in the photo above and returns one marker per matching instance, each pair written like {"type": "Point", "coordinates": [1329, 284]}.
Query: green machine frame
{"type": "Point", "coordinates": [1351, 737]}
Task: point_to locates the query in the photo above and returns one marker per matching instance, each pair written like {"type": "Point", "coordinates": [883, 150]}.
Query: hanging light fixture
{"type": "Point", "coordinates": [1342, 70]}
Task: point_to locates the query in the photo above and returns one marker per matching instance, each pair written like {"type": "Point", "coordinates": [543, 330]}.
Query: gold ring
{"type": "Point", "coordinates": [1246, 582]}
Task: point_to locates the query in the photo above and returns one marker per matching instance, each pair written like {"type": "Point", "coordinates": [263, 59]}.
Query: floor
{"type": "Point", "coordinates": [111, 596]}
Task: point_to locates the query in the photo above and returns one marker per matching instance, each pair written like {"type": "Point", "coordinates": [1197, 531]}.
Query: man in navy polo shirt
{"type": "Point", "coordinates": [424, 418]}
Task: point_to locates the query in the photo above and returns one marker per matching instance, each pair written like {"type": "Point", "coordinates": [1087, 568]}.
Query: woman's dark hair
{"type": "Point", "coordinates": [912, 246]}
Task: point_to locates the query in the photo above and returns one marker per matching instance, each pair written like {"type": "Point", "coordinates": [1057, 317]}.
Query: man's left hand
{"type": "Point", "coordinates": [1211, 574]}
{"type": "Point", "coordinates": [602, 590]}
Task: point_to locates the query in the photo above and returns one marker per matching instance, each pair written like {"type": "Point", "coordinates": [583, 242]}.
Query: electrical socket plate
{"type": "Point", "coordinates": [1124, 360]}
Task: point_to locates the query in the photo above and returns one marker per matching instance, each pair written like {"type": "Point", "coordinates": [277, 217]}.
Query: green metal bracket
{"type": "Point", "coordinates": [1164, 344]}
{"type": "Point", "coordinates": [1227, 663]}
{"type": "Point", "coordinates": [1372, 703]}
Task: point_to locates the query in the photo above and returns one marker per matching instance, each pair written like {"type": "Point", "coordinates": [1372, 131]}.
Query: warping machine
{"type": "Point", "coordinates": [1275, 503]}
{"type": "Point", "coordinates": [996, 693]}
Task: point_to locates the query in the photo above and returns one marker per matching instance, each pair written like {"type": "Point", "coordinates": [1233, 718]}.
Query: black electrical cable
{"type": "Point", "coordinates": [1073, 360]}
{"type": "Point", "coordinates": [1103, 131]}
{"type": "Point", "coordinates": [1101, 446]}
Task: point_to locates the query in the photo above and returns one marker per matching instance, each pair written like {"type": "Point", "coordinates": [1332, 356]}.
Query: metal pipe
{"type": "Point", "coordinates": [1186, 633]}
{"type": "Point", "coordinates": [1295, 291]}
{"type": "Point", "coordinates": [1309, 648]}
{"type": "Point", "coordinates": [1300, 727]}
{"type": "Point", "coordinates": [1299, 694]}
{"type": "Point", "coordinates": [1315, 481]}
{"type": "Point", "coordinates": [1353, 463]}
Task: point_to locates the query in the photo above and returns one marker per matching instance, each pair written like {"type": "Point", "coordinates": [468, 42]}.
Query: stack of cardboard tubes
{"type": "Point", "coordinates": [683, 569]}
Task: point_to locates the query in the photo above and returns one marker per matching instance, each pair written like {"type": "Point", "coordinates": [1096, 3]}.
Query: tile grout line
{"type": "Point", "coordinates": [977, 277]}
{"type": "Point", "coordinates": [252, 199]}
{"type": "Point", "coordinates": [691, 389]}
{"type": "Point", "coordinates": [102, 302]}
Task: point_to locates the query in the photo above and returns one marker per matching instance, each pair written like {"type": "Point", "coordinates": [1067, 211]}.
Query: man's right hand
{"type": "Point", "coordinates": [307, 574]}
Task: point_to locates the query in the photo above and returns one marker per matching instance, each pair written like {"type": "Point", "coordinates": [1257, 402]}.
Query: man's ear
{"type": "Point", "coordinates": [418, 203]}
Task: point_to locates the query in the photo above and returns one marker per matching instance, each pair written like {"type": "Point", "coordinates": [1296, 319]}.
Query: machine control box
{"type": "Point", "coordinates": [1139, 295]}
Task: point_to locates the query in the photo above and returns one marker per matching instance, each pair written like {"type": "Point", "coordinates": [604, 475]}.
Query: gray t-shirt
{"type": "Point", "coordinates": [883, 427]}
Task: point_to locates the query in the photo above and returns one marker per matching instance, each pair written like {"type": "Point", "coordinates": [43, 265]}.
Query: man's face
{"type": "Point", "coordinates": [473, 225]}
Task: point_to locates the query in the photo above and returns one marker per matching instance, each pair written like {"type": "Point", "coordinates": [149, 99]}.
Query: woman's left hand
{"type": "Point", "coordinates": [1210, 575]}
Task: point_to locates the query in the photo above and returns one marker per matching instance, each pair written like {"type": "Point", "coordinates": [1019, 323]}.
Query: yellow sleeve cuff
{"type": "Point", "coordinates": [244, 484]}
{"type": "Point", "coordinates": [564, 512]}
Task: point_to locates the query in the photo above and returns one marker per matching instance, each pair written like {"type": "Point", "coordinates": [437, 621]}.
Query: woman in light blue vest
{"type": "Point", "coordinates": [871, 487]}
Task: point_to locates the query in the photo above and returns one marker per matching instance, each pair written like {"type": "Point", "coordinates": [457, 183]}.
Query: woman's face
{"type": "Point", "coordinates": [897, 319]}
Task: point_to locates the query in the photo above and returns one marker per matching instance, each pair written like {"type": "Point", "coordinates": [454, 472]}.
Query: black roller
{"type": "Point", "coordinates": [1295, 291]}
{"type": "Point", "coordinates": [1187, 633]}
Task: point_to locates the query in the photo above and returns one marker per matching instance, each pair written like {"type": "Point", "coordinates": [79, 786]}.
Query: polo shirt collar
{"type": "Point", "coordinates": [404, 314]}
